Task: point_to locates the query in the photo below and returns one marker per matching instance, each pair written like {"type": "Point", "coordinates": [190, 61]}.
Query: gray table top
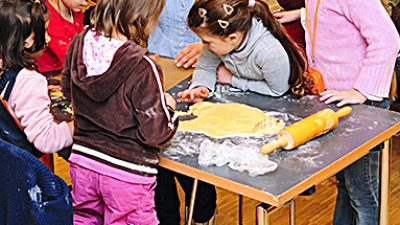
{"type": "Point", "coordinates": [364, 128]}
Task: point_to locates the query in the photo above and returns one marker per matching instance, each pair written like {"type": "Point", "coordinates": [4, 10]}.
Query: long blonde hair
{"type": "Point", "coordinates": [132, 18]}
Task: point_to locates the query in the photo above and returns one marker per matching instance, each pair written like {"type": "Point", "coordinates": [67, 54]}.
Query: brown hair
{"type": "Point", "coordinates": [240, 19]}
{"type": "Point", "coordinates": [18, 20]}
{"type": "Point", "coordinates": [132, 18]}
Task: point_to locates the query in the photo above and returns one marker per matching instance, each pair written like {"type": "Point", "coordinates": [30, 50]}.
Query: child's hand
{"type": "Point", "coordinates": [288, 16]}
{"type": "Point", "coordinates": [170, 100]}
{"type": "Point", "coordinates": [188, 56]}
{"type": "Point", "coordinates": [224, 76]}
{"type": "Point", "coordinates": [197, 94]}
{"type": "Point", "coordinates": [343, 97]}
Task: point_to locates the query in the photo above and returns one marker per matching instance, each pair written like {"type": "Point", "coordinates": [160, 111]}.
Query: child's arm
{"type": "Point", "coordinates": [29, 102]}
{"type": "Point", "coordinates": [382, 47]}
{"type": "Point", "coordinates": [156, 120]}
{"type": "Point", "coordinates": [382, 42]}
{"type": "Point", "coordinates": [288, 16]}
{"type": "Point", "coordinates": [66, 76]}
{"type": "Point", "coordinates": [205, 74]}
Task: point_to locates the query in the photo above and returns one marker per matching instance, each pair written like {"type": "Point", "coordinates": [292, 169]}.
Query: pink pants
{"type": "Point", "coordinates": [99, 199]}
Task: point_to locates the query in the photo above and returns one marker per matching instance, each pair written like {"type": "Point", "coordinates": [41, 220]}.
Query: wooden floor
{"type": "Point", "coordinates": [311, 210]}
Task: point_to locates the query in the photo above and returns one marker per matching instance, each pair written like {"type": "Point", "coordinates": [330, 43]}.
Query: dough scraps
{"type": "Point", "coordinates": [220, 120]}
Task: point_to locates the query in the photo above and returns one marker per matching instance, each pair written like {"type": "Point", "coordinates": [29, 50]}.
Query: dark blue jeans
{"type": "Point", "coordinates": [357, 201]}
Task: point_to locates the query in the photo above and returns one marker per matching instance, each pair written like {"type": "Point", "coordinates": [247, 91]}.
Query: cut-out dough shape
{"type": "Point", "coordinates": [229, 119]}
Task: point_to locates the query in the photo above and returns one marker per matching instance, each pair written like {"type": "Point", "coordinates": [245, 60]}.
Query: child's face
{"type": "Point", "coordinates": [75, 5]}
{"type": "Point", "coordinates": [219, 45]}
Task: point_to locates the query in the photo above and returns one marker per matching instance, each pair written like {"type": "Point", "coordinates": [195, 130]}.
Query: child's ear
{"type": "Point", "coordinates": [234, 38]}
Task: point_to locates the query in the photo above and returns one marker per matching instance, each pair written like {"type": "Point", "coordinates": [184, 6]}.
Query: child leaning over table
{"type": "Point", "coordinates": [357, 68]}
{"type": "Point", "coordinates": [255, 53]}
{"type": "Point", "coordinates": [122, 115]}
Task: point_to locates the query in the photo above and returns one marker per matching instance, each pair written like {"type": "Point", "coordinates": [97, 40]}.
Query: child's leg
{"type": "Point", "coordinates": [362, 186]}
{"type": "Point", "coordinates": [167, 200]}
{"type": "Point", "coordinates": [343, 210]}
{"type": "Point", "coordinates": [206, 197]}
{"type": "Point", "coordinates": [87, 204]}
{"type": "Point", "coordinates": [127, 203]}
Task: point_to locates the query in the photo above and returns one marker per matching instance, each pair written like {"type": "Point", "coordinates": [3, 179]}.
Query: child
{"type": "Point", "coordinates": [357, 68]}
{"type": "Point", "coordinates": [23, 38]}
{"type": "Point", "coordinates": [173, 38]}
{"type": "Point", "coordinates": [66, 21]}
{"type": "Point", "coordinates": [122, 115]}
{"type": "Point", "coordinates": [255, 52]}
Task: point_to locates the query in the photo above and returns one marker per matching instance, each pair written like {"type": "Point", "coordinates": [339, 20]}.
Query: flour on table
{"type": "Point", "coordinates": [224, 134]}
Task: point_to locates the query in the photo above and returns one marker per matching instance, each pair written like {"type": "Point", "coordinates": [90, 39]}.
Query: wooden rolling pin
{"type": "Point", "coordinates": [306, 129]}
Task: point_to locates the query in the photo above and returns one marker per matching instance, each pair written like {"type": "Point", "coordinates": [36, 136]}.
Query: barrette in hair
{"type": "Point", "coordinates": [37, 1]}
{"type": "Point", "coordinates": [228, 9]}
{"type": "Point", "coordinates": [223, 23]}
{"type": "Point", "coordinates": [202, 12]}
{"type": "Point", "coordinates": [252, 3]}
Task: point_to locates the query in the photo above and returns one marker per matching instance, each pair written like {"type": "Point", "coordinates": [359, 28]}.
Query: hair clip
{"type": "Point", "coordinates": [228, 9]}
{"type": "Point", "coordinates": [223, 23]}
{"type": "Point", "coordinates": [202, 12]}
{"type": "Point", "coordinates": [37, 1]}
{"type": "Point", "coordinates": [252, 3]}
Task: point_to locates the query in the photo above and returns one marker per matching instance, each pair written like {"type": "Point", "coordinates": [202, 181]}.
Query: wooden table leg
{"type": "Point", "coordinates": [192, 201]}
{"type": "Point", "coordinates": [262, 214]}
{"type": "Point", "coordinates": [240, 210]}
{"type": "Point", "coordinates": [384, 182]}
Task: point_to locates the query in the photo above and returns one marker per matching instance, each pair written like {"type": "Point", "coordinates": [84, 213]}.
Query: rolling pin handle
{"type": "Point", "coordinates": [345, 111]}
{"type": "Point", "coordinates": [272, 146]}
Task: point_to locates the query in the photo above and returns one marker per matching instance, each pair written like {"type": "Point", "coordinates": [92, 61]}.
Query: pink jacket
{"type": "Point", "coordinates": [29, 103]}
{"type": "Point", "coordinates": [356, 45]}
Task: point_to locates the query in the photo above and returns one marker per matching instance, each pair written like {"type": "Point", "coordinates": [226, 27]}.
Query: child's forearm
{"type": "Point", "coordinates": [288, 16]}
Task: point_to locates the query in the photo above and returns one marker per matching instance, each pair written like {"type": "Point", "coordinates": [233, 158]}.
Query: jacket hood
{"type": "Point", "coordinates": [100, 87]}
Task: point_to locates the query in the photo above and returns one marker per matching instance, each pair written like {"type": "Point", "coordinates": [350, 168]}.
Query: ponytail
{"type": "Point", "coordinates": [298, 63]}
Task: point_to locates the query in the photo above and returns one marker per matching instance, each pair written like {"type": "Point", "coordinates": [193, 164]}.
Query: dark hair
{"type": "Point", "coordinates": [133, 18]}
{"type": "Point", "coordinates": [240, 20]}
{"type": "Point", "coordinates": [18, 20]}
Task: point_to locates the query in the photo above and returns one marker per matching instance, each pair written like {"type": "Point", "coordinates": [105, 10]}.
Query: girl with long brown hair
{"type": "Point", "coordinates": [255, 52]}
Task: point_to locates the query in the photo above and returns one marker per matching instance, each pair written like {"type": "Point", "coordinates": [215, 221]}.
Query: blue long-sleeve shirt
{"type": "Point", "coordinates": [172, 33]}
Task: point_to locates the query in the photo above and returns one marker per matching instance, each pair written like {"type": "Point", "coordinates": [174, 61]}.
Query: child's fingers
{"type": "Point", "coordinates": [179, 58]}
{"type": "Point", "coordinates": [183, 96]}
{"type": "Point", "coordinates": [203, 93]}
{"type": "Point", "coordinates": [192, 61]}
{"type": "Point", "coordinates": [183, 93]}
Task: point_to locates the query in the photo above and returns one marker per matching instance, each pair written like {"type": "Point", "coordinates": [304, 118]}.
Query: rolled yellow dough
{"type": "Point", "coordinates": [228, 119]}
